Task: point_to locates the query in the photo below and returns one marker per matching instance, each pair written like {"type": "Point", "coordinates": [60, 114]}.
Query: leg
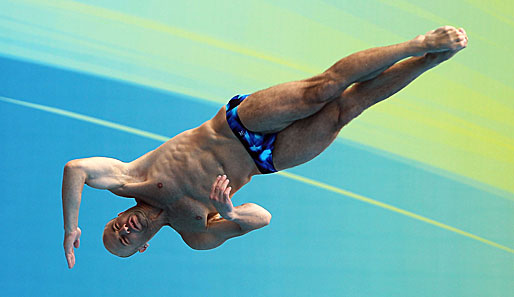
{"type": "Point", "coordinates": [275, 108]}
{"type": "Point", "coordinates": [307, 138]}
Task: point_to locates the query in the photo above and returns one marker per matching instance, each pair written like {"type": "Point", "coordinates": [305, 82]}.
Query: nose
{"type": "Point", "coordinates": [124, 230]}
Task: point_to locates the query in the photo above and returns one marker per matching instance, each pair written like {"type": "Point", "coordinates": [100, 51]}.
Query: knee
{"type": "Point", "coordinates": [321, 89]}
{"type": "Point", "coordinates": [348, 108]}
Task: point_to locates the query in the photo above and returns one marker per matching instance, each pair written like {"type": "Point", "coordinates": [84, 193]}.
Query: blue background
{"type": "Point", "coordinates": [318, 244]}
{"type": "Point", "coordinates": [414, 198]}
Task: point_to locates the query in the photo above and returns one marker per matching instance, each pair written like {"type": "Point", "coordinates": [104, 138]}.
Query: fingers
{"type": "Point", "coordinates": [464, 32]}
{"type": "Point", "coordinates": [226, 194]}
{"type": "Point", "coordinates": [220, 189]}
{"type": "Point", "coordinates": [71, 261]}
{"type": "Point", "coordinates": [71, 240]}
{"type": "Point", "coordinates": [220, 198]}
{"type": "Point", "coordinates": [224, 185]}
{"type": "Point", "coordinates": [70, 258]}
{"type": "Point", "coordinates": [213, 189]}
{"type": "Point", "coordinates": [465, 37]}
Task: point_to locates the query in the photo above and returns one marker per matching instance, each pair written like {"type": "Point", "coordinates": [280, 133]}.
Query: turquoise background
{"type": "Point", "coordinates": [322, 241]}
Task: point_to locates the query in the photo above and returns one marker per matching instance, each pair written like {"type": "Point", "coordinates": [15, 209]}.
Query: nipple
{"type": "Point", "coordinates": [198, 218]}
{"type": "Point", "coordinates": [159, 185]}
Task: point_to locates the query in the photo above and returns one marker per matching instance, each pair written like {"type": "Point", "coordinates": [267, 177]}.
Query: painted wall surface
{"type": "Point", "coordinates": [414, 198]}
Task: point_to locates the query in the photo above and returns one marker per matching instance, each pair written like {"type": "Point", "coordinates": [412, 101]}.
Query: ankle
{"type": "Point", "coordinates": [430, 60]}
{"type": "Point", "coordinates": [417, 45]}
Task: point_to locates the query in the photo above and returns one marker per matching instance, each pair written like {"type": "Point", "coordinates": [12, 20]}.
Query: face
{"type": "Point", "coordinates": [128, 233]}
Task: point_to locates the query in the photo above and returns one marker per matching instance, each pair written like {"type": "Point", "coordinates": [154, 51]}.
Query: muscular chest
{"type": "Point", "coordinates": [188, 214]}
{"type": "Point", "coordinates": [185, 210]}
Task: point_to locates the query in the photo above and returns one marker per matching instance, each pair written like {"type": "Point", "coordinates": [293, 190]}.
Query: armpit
{"type": "Point", "coordinates": [213, 217]}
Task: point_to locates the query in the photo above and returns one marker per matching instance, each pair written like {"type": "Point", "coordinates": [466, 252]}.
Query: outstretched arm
{"type": "Point", "coordinates": [97, 172]}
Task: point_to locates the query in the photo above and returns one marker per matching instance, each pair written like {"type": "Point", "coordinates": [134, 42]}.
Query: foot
{"type": "Point", "coordinates": [443, 39]}
{"type": "Point", "coordinates": [437, 57]}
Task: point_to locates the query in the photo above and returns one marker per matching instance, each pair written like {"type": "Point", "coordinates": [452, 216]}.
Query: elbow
{"type": "Point", "coordinates": [267, 218]}
{"type": "Point", "coordinates": [74, 168]}
{"type": "Point", "coordinates": [252, 217]}
{"type": "Point", "coordinates": [72, 165]}
{"type": "Point", "coordinates": [264, 217]}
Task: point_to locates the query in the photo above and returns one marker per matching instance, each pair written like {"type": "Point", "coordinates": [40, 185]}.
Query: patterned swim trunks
{"type": "Point", "coordinates": [259, 146]}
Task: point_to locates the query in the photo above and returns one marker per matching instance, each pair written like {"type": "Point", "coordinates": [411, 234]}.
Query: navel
{"type": "Point", "coordinates": [199, 217]}
{"type": "Point", "coordinates": [159, 185]}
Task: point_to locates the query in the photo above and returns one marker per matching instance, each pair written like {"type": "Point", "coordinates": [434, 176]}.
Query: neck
{"type": "Point", "coordinates": [154, 214]}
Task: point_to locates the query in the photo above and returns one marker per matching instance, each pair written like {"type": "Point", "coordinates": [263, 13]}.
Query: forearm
{"type": "Point", "coordinates": [72, 185]}
{"type": "Point", "coordinates": [249, 216]}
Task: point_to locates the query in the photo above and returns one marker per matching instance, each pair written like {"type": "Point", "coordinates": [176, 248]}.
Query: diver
{"type": "Point", "coordinates": [188, 182]}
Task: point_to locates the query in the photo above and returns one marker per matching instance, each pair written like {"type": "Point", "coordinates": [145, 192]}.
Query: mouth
{"type": "Point", "coordinates": [134, 223]}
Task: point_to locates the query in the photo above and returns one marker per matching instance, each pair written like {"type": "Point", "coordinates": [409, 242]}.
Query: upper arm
{"type": "Point", "coordinates": [100, 172]}
{"type": "Point", "coordinates": [218, 231]}
{"type": "Point", "coordinates": [251, 217]}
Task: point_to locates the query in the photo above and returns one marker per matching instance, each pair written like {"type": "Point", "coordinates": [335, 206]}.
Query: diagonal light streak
{"type": "Point", "coordinates": [85, 118]}
{"type": "Point", "coordinates": [113, 15]}
{"type": "Point", "coordinates": [292, 176]}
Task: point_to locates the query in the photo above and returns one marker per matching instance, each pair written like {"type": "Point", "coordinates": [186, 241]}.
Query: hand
{"type": "Point", "coordinates": [220, 197]}
{"type": "Point", "coordinates": [71, 239]}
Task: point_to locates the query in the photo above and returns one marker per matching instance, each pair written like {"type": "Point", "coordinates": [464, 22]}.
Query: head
{"type": "Point", "coordinates": [131, 230]}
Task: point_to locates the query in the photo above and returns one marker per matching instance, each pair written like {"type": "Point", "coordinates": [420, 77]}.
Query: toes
{"type": "Point", "coordinates": [463, 33]}
{"type": "Point", "coordinates": [449, 29]}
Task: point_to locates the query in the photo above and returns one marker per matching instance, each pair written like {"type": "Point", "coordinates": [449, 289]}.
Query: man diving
{"type": "Point", "coordinates": [188, 182]}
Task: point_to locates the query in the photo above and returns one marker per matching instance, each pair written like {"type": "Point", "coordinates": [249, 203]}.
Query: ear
{"type": "Point", "coordinates": [144, 247]}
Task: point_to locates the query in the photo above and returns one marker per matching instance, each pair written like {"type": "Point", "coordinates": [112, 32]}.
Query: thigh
{"type": "Point", "coordinates": [305, 139]}
{"type": "Point", "coordinates": [275, 108]}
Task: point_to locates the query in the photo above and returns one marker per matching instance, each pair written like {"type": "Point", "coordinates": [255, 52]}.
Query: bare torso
{"type": "Point", "coordinates": [177, 176]}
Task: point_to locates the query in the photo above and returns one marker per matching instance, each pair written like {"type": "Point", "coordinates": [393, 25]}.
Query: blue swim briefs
{"type": "Point", "coordinates": [259, 146]}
